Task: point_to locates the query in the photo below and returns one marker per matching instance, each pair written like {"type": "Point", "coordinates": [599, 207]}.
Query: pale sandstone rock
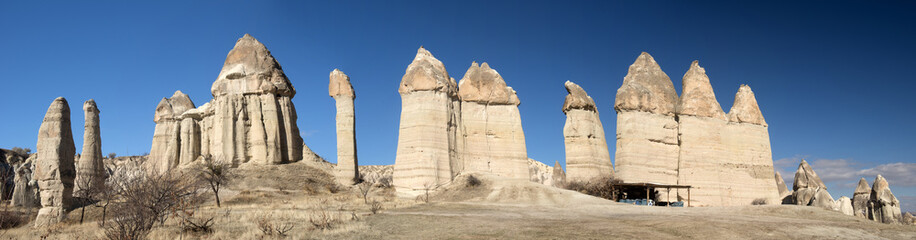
{"type": "Point", "coordinates": [54, 169]}
{"type": "Point", "coordinates": [90, 172]}
{"type": "Point", "coordinates": [559, 176]}
{"type": "Point", "coordinates": [25, 190]}
{"type": "Point", "coordinates": [647, 132]}
{"type": "Point", "coordinates": [493, 135]}
{"type": "Point", "coordinates": [587, 154]}
{"type": "Point", "coordinates": [781, 186]}
{"type": "Point", "coordinates": [745, 108]}
{"type": "Point", "coordinates": [884, 205]}
{"type": "Point", "coordinates": [805, 177]}
{"type": "Point", "coordinates": [809, 189]}
{"type": "Point", "coordinates": [340, 89]}
{"type": "Point", "coordinates": [429, 129]}
{"type": "Point", "coordinates": [860, 199]}
{"type": "Point", "coordinates": [823, 199]}
{"type": "Point", "coordinates": [166, 147]}
{"type": "Point", "coordinates": [646, 88]}
{"type": "Point", "coordinates": [844, 205]}
{"type": "Point", "coordinates": [540, 172]}
{"type": "Point", "coordinates": [698, 98]}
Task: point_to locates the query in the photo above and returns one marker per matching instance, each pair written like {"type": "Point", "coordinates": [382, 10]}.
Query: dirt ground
{"type": "Point", "coordinates": [495, 209]}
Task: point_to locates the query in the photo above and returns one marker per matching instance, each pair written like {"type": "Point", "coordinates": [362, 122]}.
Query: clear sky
{"type": "Point", "coordinates": [834, 80]}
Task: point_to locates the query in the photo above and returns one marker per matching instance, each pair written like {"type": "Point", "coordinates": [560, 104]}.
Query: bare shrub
{"type": "Point", "coordinates": [603, 187]}
{"type": "Point", "coordinates": [10, 219]}
{"type": "Point", "coordinates": [364, 189]}
{"type": "Point", "coordinates": [271, 226]}
{"type": "Point", "coordinates": [759, 201]}
{"type": "Point", "coordinates": [473, 181]}
{"type": "Point", "coordinates": [112, 155]}
{"type": "Point", "coordinates": [375, 206]}
{"type": "Point", "coordinates": [216, 175]}
{"type": "Point", "coordinates": [322, 220]}
{"type": "Point", "coordinates": [428, 187]}
{"type": "Point", "coordinates": [22, 151]}
{"type": "Point", "coordinates": [149, 199]}
{"type": "Point", "coordinates": [385, 182]}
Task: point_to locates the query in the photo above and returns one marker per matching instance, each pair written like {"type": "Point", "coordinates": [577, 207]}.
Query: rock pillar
{"type": "Point", "coordinates": [54, 169]}
{"type": "Point", "coordinates": [347, 165]}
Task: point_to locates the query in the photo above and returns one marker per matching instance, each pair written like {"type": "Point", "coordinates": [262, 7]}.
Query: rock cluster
{"type": "Point", "coordinates": [860, 199]}
{"type": "Point", "coordinates": [448, 128]}
{"type": "Point", "coordinates": [250, 119]}
{"type": "Point", "coordinates": [547, 175]}
{"type": "Point", "coordinates": [883, 206]}
{"type": "Point", "coordinates": [340, 89]}
{"type": "Point", "coordinates": [689, 140]}
{"type": "Point", "coordinates": [587, 154]}
{"type": "Point", "coordinates": [25, 190]}
{"type": "Point", "coordinates": [809, 190]}
{"type": "Point", "coordinates": [90, 170]}
{"type": "Point", "coordinates": [54, 168]}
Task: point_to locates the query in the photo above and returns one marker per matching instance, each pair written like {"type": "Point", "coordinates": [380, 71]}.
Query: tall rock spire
{"type": "Point", "coordinates": [90, 173]}
{"type": "Point", "coordinates": [340, 89]}
{"type": "Point", "coordinates": [54, 168]}
{"type": "Point", "coordinates": [860, 199]}
{"type": "Point", "coordinates": [646, 88]}
{"type": "Point", "coordinates": [426, 73]}
{"type": "Point", "coordinates": [745, 108]}
{"type": "Point", "coordinates": [884, 205]}
{"type": "Point", "coordinates": [587, 155]}
{"type": "Point", "coordinates": [697, 97]}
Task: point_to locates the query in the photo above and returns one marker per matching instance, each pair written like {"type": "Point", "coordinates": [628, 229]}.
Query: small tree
{"type": "Point", "coordinates": [216, 175]}
{"type": "Point", "coordinates": [87, 193]}
{"type": "Point", "coordinates": [148, 199]}
{"type": "Point", "coordinates": [364, 189]}
{"type": "Point", "coordinates": [112, 155]}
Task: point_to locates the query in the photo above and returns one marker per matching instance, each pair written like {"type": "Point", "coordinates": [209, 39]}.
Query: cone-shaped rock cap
{"type": "Point", "coordinates": [249, 68]}
{"type": "Point", "coordinates": [426, 73]}
{"type": "Point", "coordinates": [805, 177]}
{"type": "Point", "coordinates": [781, 184]}
{"type": "Point", "coordinates": [90, 106]}
{"type": "Point", "coordinates": [863, 187]}
{"type": "Point", "coordinates": [745, 109]}
{"type": "Point", "coordinates": [697, 97]}
{"type": "Point", "coordinates": [173, 107]}
{"type": "Point", "coordinates": [880, 184]}
{"type": "Point", "coordinates": [556, 165]}
{"type": "Point", "coordinates": [483, 84]}
{"type": "Point", "coordinates": [340, 84]}
{"type": "Point", "coordinates": [646, 88]}
{"type": "Point", "coordinates": [577, 98]}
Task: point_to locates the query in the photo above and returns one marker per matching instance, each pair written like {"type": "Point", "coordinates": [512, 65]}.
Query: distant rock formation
{"type": "Point", "coordinates": [54, 169]}
{"type": "Point", "coordinates": [781, 186]}
{"type": "Point", "coordinates": [844, 205]}
{"type": "Point", "coordinates": [428, 136]}
{"type": "Point", "coordinates": [883, 205]}
{"type": "Point", "coordinates": [547, 175]}
{"type": "Point", "coordinates": [251, 118]}
{"type": "Point", "coordinates": [340, 89]}
{"type": "Point", "coordinates": [689, 140]}
{"type": "Point", "coordinates": [559, 176]}
{"type": "Point", "coordinates": [587, 154]}
{"type": "Point", "coordinates": [809, 189]}
{"type": "Point", "coordinates": [493, 136]}
{"type": "Point", "coordinates": [860, 199]}
{"type": "Point", "coordinates": [90, 170]}
{"type": "Point", "coordinates": [25, 190]}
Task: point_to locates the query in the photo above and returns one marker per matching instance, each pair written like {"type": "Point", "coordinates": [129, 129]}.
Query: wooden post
{"type": "Point", "coordinates": [688, 197]}
{"type": "Point", "coordinates": [647, 195]}
{"type": "Point", "coordinates": [668, 197]}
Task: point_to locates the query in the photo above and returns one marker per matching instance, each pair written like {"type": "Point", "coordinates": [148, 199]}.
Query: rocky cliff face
{"type": "Point", "coordinates": [251, 118]}
{"type": "Point", "coordinates": [689, 140]}
{"type": "Point", "coordinates": [54, 168]}
{"type": "Point", "coordinates": [340, 89]}
{"type": "Point", "coordinates": [587, 154]}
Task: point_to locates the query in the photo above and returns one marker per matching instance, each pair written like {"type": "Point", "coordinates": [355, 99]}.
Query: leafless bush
{"type": "Point", "coordinates": [603, 187]}
{"type": "Point", "coordinates": [144, 201]}
{"type": "Point", "coordinates": [364, 189]}
{"type": "Point", "coordinates": [759, 201]}
{"type": "Point", "coordinates": [473, 181]}
{"type": "Point", "coordinates": [112, 155]}
{"type": "Point", "coordinates": [193, 221]}
{"type": "Point", "coordinates": [271, 226]}
{"type": "Point", "coordinates": [10, 219]}
{"type": "Point", "coordinates": [322, 220]}
{"type": "Point", "coordinates": [428, 187]}
{"type": "Point", "coordinates": [216, 175]}
{"type": "Point", "coordinates": [375, 206]}
{"type": "Point", "coordinates": [385, 182]}
{"type": "Point", "coordinates": [22, 151]}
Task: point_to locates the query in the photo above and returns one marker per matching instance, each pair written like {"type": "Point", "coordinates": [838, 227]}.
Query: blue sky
{"type": "Point", "coordinates": [833, 80]}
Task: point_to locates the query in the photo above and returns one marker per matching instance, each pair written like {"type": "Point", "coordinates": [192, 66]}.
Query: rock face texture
{"type": "Point", "coordinates": [860, 199]}
{"type": "Point", "coordinates": [251, 118]}
{"type": "Point", "coordinates": [809, 189]}
{"type": "Point", "coordinates": [428, 134]}
{"type": "Point", "coordinates": [647, 132]}
{"type": "Point", "coordinates": [449, 128]}
{"type": "Point", "coordinates": [689, 140]}
{"type": "Point", "coordinates": [493, 136]}
{"type": "Point", "coordinates": [587, 155]}
{"type": "Point", "coordinates": [340, 89]}
{"type": "Point", "coordinates": [90, 170]}
{"type": "Point", "coordinates": [547, 175]}
{"type": "Point", "coordinates": [883, 205]}
{"type": "Point", "coordinates": [844, 205]}
{"type": "Point", "coordinates": [25, 192]}
{"type": "Point", "coordinates": [54, 169]}
{"type": "Point", "coordinates": [781, 186]}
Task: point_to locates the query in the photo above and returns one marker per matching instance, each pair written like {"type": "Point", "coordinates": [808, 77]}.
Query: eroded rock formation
{"type": "Point", "coordinates": [428, 136]}
{"type": "Point", "coordinates": [860, 199]}
{"type": "Point", "coordinates": [547, 175]}
{"type": "Point", "coordinates": [90, 170]}
{"type": "Point", "coordinates": [340, 89]}
{"type": "Point", "coordinates": [844, 205]}
{"type": "Point", "coordinates": [250, 119]}
{"type": "Point", "coordinates": [809, 189]}
{"type": "Point", "coordinates": [884, 206]}
{"type": "Point", "coordinates": [689, 140]}
{"type": "Point", "coordinates": [587, 154]}
{"type": "Point", "coordinates": [25, 191]}
{"type": "Point", "coordinates": [54, 168]}
{"type": "Point", "coordinates": [493, 136]}
{"type": "Point", "coordinates": [781, 186]}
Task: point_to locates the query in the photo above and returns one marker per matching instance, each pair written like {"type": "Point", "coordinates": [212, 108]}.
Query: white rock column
{"type": "Point", "coordinates": [54, 168]}
{"type": "Point", "coordinates": [342, 91]}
